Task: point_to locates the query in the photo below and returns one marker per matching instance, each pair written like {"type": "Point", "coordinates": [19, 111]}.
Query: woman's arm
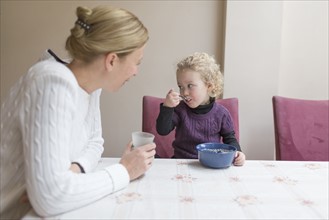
{"type": "Point", "coordinates": [88, 160]}
{"type": "Point", "coordinates": [47, 120]}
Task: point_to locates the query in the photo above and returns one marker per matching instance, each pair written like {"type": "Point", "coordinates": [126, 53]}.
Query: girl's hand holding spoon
{"type": "Point", "coordinates": [172, 99]}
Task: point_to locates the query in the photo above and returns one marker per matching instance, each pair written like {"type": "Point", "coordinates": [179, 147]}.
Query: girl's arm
{"type": "Point", "coordinates": [164, 123]}
{"type": "Point", "coordinates": [229, 138]}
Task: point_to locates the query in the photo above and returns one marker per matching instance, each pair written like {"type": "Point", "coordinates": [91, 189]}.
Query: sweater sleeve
{"type": "Point", "coordinates": [94, 149]}
{"type": "Point", "coordinates": [229, 138]}
{"type": "Point", "coordinates": [227, 130]}
{"type": "Point", "coordinates": [164, 123]}
{"type": "Point", "coordinates": [46, 120]}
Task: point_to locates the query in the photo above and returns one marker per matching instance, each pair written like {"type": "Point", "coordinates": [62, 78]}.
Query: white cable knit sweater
{"type": "Point", "coordinates": [47, 122]}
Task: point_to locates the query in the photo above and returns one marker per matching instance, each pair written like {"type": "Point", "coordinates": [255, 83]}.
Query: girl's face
{"type": "Point", "coordinates": [193, 88]}
{"type": "Point", "coordinates": [125, 68]}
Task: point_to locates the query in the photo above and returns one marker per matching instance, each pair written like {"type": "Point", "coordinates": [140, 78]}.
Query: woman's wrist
{"type": "Point", "coordinates": [75, 166]}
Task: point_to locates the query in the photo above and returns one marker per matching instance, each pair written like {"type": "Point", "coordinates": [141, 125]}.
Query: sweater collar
{"type": "Point", "coordinates": [203, 109]}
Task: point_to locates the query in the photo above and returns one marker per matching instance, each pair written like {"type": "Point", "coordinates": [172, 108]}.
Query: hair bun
{"type": "Point", "coordinates": [83, 13]}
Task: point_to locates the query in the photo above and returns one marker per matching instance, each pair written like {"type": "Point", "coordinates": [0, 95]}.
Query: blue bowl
{"type": "Point", "coordinates": [216, 155]}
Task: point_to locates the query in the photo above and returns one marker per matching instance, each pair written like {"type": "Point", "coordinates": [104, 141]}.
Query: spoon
{"type": "Point", "coordinates": [183, 97]}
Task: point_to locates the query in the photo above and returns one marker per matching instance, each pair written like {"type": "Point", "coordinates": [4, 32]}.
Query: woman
{"type": "Point", "coordinates": [51, 136]}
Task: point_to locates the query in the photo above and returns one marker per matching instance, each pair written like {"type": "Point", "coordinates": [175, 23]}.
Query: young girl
{"type": "Point", "coordinates": [194, 112]}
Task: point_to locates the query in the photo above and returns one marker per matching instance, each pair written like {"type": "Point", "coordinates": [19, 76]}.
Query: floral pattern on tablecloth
{"type": "Point", "coordinates": [186, 199]}
{"type": "Point", "coordinates": [235, 179]}
{"type": "Point", "coordinates": [313, 166]}
{"type": "Point", "coordinates": [306, 202]}
{"type": "Point", "coordinates": [270, 165]}
{"type": "Point", "coordinates": [245, 200]}
{"type": "Point", "coordinates": [285, 180]}
{"type": "Point", "coordinates": [128, 197]}
{"type": "Point", "coordinates": [187, 178]}
{"type": "Point", "coordinates": [182, 162]}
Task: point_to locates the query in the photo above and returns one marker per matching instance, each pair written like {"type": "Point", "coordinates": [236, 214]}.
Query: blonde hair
{"type": "Point", "coordinates": [108, 30]}
{"type": "Point", "coordinates": [208, 69]}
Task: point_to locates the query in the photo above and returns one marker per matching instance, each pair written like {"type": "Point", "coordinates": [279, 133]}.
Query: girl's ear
{"type": "Point", "coordinates": [210, 86]}
{"type": "Point", "coordinates": [110, 60]}
{"type": "Point", "coordinates": [210, 89]}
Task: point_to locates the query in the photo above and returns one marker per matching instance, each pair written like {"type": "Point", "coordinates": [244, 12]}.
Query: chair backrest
{"type": "Point", "coordinates": [301, 129]}
{"type": "Point", "coordinates": [151, 109]}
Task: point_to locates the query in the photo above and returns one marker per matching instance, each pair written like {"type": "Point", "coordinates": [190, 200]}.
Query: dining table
{"type": "Point", "coordinates": [185, 189]}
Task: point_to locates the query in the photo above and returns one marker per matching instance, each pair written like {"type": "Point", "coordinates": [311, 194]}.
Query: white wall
{"type": "Point", "coordinates": [304, 50]}
{"type": "Point", "coordinates": [252, 49]}
{"type": "Point", "coordinates": [273, 48]}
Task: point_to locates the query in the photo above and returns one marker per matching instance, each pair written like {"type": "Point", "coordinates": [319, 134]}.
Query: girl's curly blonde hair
{"type": "Point", "coordinates": [208, 69]}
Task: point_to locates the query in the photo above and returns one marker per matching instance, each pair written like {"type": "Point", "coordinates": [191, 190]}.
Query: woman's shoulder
{"type": "Point", "coordinates": [51, 71]}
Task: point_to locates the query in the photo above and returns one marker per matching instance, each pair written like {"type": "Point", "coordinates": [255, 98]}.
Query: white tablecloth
{"type": "Point", "coordinates": [184, 189]}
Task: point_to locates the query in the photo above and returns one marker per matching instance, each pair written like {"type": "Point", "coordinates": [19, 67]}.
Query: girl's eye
{"type": "Point", "coordinates": [189, 86]}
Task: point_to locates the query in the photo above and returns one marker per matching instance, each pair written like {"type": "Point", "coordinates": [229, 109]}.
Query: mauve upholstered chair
{"type": "Point", "coordinates": [151, 109]}
{"type": "Point", "coordinates": [301, 129]}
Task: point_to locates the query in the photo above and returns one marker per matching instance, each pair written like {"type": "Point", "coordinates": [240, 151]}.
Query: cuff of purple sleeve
{"type": "Point", "coordinates": [119, 175]}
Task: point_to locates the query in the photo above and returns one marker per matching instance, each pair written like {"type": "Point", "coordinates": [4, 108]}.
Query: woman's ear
{"type": "Point", "coordinates": [110, 59]}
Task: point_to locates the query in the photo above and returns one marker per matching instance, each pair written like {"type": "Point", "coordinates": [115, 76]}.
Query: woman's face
{"type": "Point", "coordinates": [125, 68]}
{"type": "Point", "coordinates": [192, 88]}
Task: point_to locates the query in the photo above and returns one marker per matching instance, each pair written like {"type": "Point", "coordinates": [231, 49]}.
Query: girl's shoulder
{"type": "Point", "coordinates": [219, 107]}
{"type": "Point", "coordinates": [181, 107]}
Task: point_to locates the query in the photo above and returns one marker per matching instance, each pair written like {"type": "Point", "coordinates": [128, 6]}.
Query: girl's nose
{"type": "Point", "coordinates": [183, 91]}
